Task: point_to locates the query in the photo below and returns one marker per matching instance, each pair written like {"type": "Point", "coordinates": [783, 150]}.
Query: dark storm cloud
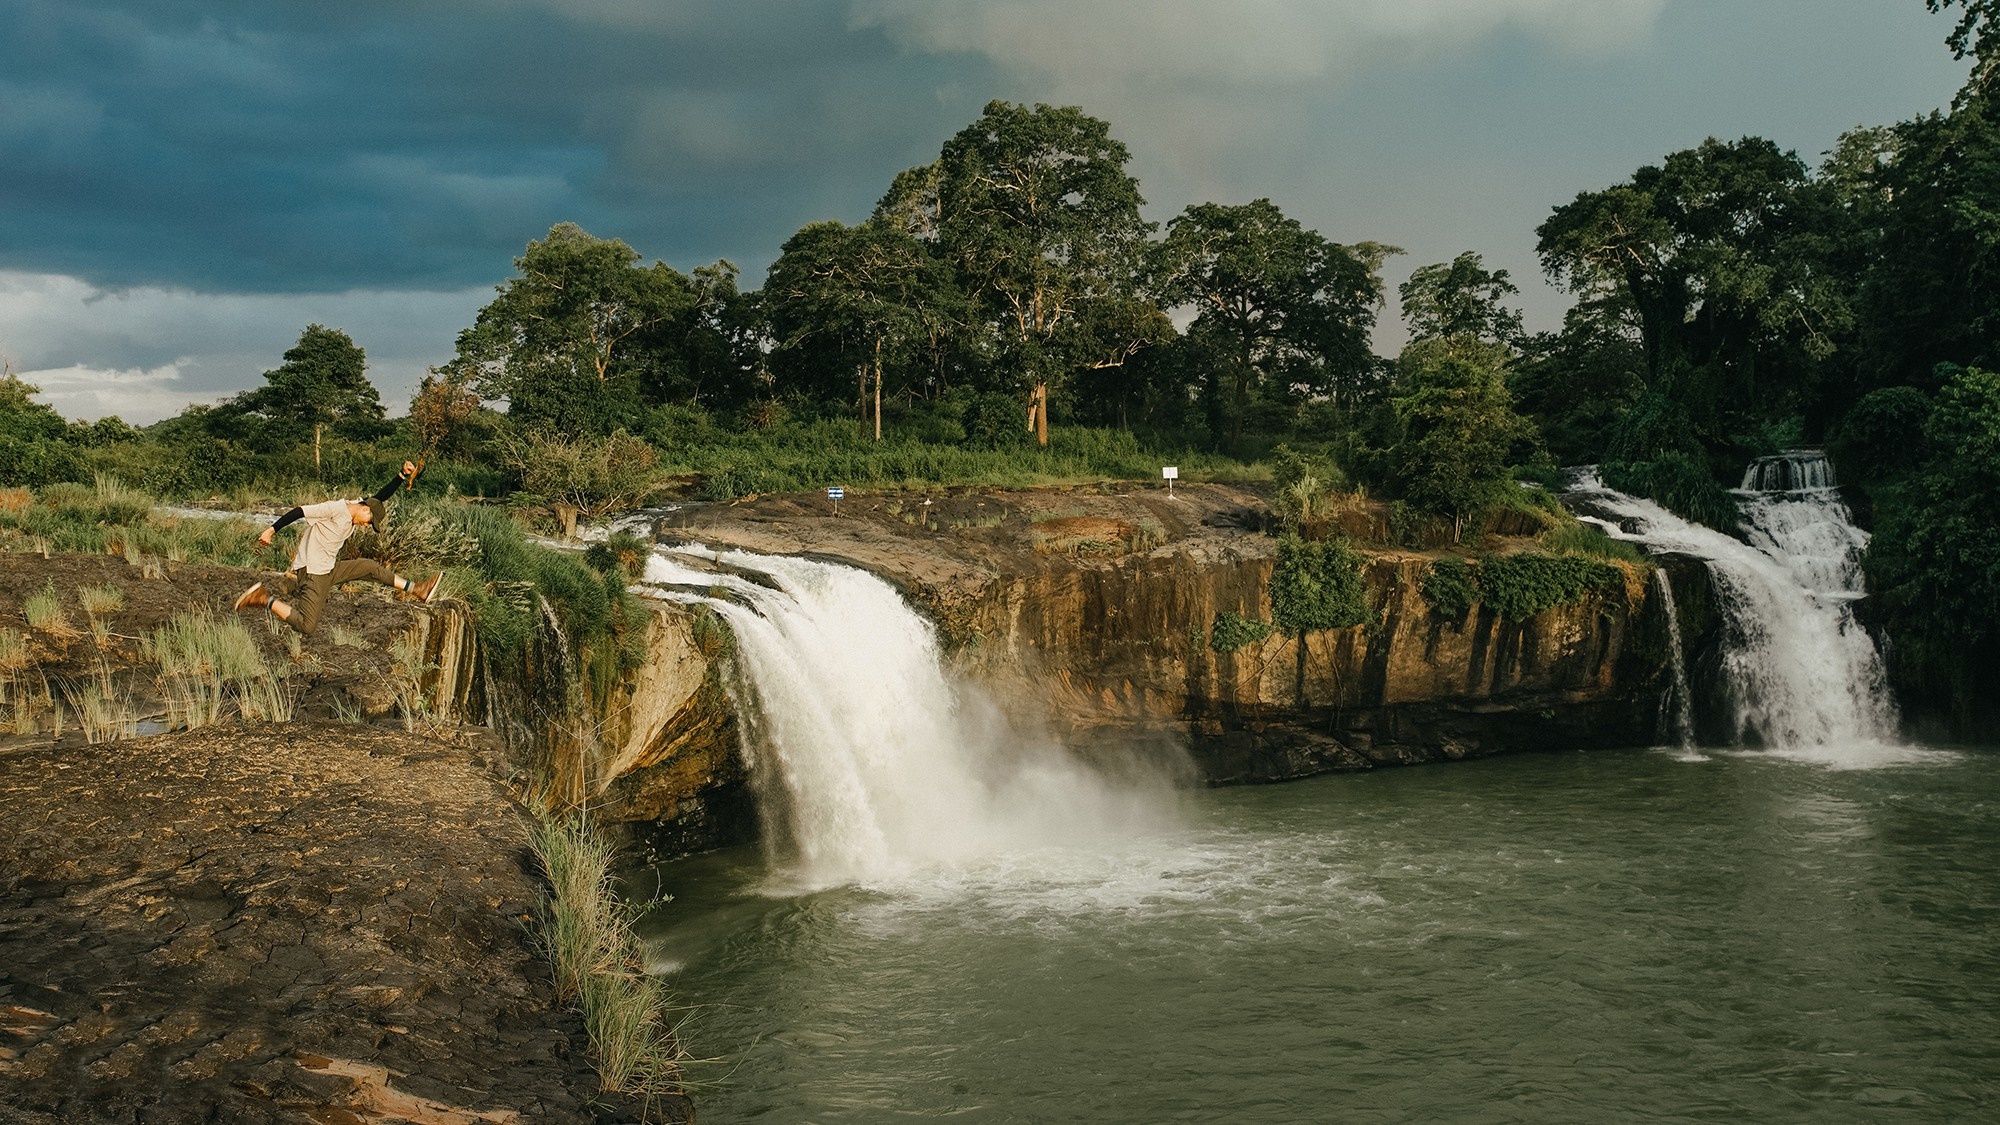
{"type": "Point", "coordinates": [272, 147]}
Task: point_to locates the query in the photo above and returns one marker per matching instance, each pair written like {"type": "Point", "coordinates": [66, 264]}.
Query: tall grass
{"type": "Point", "coordinates": [798, 457]}
{"type": "Point", "coordinates": [587, 932]}
{"type": "Point", "coordinates": [207, 664]}
{"type": "Point", "coordinates": [44, 612]}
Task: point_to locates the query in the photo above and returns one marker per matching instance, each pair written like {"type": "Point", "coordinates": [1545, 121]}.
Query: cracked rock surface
{"type": "Point", "coordinates": [272, 924]}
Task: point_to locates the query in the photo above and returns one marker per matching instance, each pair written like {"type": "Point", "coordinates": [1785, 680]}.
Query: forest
{"type": "Point", "coordinates": [1007, 316]}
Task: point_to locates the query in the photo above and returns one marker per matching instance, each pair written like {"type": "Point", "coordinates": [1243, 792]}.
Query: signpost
{"type": "Point", "coordinates": [1170, 474]}
{"type": "Point", "coordinates": [834, 493]}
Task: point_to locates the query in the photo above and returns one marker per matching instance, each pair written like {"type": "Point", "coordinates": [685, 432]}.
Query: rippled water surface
{"type": "Point", "coordinates": [1604, 937]}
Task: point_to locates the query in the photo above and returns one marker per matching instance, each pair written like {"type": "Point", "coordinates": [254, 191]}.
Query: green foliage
{"type": "Point", "coordinates": [1681, 484]}
{"type": "Point", "coordinates": [1273, 301]}
{"type": "Point", "coordinates": [508, 580]}
{"type": "Point", "coordinates": [322, 384]}
{"type": "Point", "coordinates": [1882, 436]}
{"type": "Point", "coordinates": [1935, 558]}
{"type": "Point", "coordinates": [593, 474]}
{"type": "Point", "coordinates": [1450, 588]}
{"type": "Point", "coordinates": [1519, 586]}
{"type": "Point", "coordinates": [1317, 586]}
{"type": "Point", "coordinates": [1460, 298]}
{"type": "Point", "coordinates": [621, 553]}
{"type": "Point", "coordinates": [1458, 425]}
{"type": "Point", "coordinates": [1582, 539]}
{"type": "Point", "coordinates": [36, 445]}
{"type": "Point", "coordinates": [1233, 631]}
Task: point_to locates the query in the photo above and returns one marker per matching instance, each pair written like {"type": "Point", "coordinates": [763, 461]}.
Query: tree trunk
{"type": "Point", "coordinates": [1038, 413]}
{"type": "Point", "coordinates": [317, 427]}
{"type": "Point", "coordinates": [878, 388]}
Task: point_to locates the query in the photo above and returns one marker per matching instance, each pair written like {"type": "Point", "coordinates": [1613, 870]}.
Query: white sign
{"type": "Point", "coordinates": [1170, 472]}
{"type": "Point", "coordinates": [835, 493]}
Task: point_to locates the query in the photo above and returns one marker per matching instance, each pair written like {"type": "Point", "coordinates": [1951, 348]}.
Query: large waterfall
{"type": "Point", "coordinates": [1801, 672]}
{"type": "Point", "coordinates": [872, 761]}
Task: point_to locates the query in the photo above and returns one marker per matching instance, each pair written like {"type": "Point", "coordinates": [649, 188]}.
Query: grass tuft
{"type": "Point", "coordinates": [587, 933]}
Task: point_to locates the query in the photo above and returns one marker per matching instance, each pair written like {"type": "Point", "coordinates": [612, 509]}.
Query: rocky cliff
{"type": "Point", "coordinates": [1092, 609]}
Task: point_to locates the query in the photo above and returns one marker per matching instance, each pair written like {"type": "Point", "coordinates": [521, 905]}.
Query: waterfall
{"type": "Point", "coordinates": [871, 760]}
{"type": "Point", "coordinates": [1801, 671]}
{"type": "Point", "coordinates": [1681, 702]}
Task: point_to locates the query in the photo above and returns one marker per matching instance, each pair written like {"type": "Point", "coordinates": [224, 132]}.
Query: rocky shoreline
{"type": "Point", "coordinates": [275, 923]}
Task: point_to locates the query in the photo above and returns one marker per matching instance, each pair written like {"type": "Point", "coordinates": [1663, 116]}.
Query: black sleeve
{"type": "Point", "coordinates": [389, 489]}
{"type": "Point", "coordinates": [291, 517]}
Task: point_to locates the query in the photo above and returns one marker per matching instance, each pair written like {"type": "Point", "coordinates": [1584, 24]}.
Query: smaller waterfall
{"type": "Point", "coordinates": [1681, 703]}
{"type": "Point", "coordinates": [1792, 470]}
{"type": "Point", "coordinates": [872, 761]}
{"type": "Point", "coordinates": [1801, 671]}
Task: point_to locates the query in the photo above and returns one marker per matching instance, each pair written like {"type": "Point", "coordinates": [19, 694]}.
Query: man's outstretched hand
{"type": "Point", "coordinates": [265, 538]}
{"type": "Point", "coordinates": [409, 470]}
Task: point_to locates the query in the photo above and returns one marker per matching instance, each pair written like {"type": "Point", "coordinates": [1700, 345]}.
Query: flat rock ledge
{"type": "Point", "coordinates": [321, 923]}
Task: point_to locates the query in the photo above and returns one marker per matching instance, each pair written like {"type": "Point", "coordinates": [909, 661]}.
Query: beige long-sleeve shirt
{"type": "Point", "coordinates": [322, 533]}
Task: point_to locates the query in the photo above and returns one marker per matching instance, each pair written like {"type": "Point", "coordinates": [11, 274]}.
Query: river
{"type": "Point", "coordinates": [1616, 936]}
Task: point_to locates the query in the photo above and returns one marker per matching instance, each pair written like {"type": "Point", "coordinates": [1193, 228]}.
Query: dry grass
{"type": "Point", "coordinates": [45, 613]}
{"type": "Point", "coordinates": [207, 664]}
{"type": "Point", "coordinates": [587, 932]}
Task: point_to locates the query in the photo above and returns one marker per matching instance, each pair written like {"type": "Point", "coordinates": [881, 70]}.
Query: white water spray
{"type": "Point", "coordinates": [872, 762]}
{"type": "Point", "coordinates": [1802, 672]}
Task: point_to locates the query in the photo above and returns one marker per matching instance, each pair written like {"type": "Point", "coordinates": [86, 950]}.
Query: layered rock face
{"type": "Point", "coordinates": [1122, 649]}
{"type": "Point", "coordinates": [1091, 611]}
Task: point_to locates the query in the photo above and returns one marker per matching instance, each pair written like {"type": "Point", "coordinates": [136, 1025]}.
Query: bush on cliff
{"type": "Point", "coordinates": [1316, 586]}
{"type": "Point", "coordinates": [1518, 587]}
{"type": "Point", "coordinates": [1233, 631]}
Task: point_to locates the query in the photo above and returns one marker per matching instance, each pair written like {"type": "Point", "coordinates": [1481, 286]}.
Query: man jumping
{"type": "Point", "coordinates": [316, 564]}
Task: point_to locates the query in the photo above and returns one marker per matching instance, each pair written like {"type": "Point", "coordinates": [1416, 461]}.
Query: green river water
{"type": "Point", "coordinates": [1615, 936]}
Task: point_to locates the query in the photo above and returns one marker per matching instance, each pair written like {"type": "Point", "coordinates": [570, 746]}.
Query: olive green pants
{"type": "Point", "coordinates": [306, 593]}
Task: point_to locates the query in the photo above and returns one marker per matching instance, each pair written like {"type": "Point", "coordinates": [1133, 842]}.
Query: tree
{"type": "Point", "coordinates": [1977, 35]}
{"type": "Point", "coordinates": [565, 342]}
{"type": "Point", "coordinates": [1461, 297]}
{"type": "Point", "coordinates": [852, 299]}
{"type": "Point", "coordinates": [323, 382]}
{"type": "Point", "coordinates": [1278, 302]}
{"type": "Point", "coordinates": [1935, 561]}
{"type": "Point", "coordinates": [1721, 253]}
{"type": "Point", "coordinates": [1458, 424]}
{"type": "Point", "coordinates": [1036, 212]}
{"type": "Point", "coordinates": [35, 443]}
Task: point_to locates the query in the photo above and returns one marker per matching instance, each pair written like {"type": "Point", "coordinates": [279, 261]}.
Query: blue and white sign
{"type": "Point", "coordinates": [836, 493]}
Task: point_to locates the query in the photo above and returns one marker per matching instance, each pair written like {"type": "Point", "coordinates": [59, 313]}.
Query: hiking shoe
{"type": "Point", "coordinates": [423, 591]}
{"type": "Point", "coordinates": [256, 597]}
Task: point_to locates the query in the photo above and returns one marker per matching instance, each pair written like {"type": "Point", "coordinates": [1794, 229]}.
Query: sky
{"type": "Point", "coordinates": [184, 186]}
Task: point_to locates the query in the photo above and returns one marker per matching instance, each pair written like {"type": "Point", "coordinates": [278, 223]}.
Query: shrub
{"type": "Point", "coordinates": [1576, 538]}
{"type": "Point", "coordinates": [1520, 586]}
{"type": "Point", "coordinates": [1450, 588]}
{"type": "Point", "coordinates": [1233, 631]}
{"type": "Point", "coordinates": [1681, 484]}
{"type": "Point", "coordinates": [1316, 586]}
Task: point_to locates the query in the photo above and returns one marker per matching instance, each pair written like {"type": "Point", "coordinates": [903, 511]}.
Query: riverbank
{"type": "Point", "coordinates": [275, 923]}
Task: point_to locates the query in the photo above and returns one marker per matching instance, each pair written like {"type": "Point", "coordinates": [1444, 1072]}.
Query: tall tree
{"type": "Point", "coordinates": [1458, 424]}
{"type": "Point", "coordinates": [860, 299]}
{"type": "Point", "coordinates": [1036, 211]}
{"type": "Point", "coordinates": [565, 343]}
{"type": "Point", "coordinates": [1280, 302]}
{"type": "Point", "coordinates": [322, 383]}
{"type": "Point", "coordinates": [1723, 255]}
{"type": "Point", "coordinates": [1461, 297]}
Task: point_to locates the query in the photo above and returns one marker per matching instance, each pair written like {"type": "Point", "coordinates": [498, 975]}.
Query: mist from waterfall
{"type": "Point", "coordinates": [1801, 672]}
{"type": "Point", "coordinates": [872, 761]}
